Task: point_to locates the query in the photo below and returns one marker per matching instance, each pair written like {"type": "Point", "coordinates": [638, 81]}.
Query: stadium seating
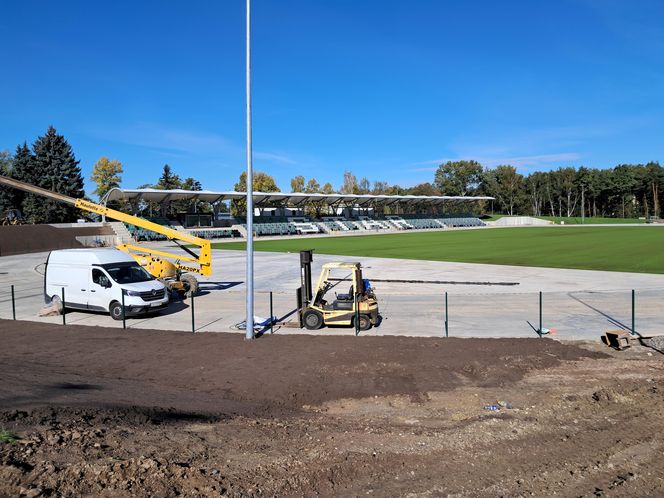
{"type": "Point", "coordinates": [215, 233]}
{"type": "Point", "coordinates": [281, 225]}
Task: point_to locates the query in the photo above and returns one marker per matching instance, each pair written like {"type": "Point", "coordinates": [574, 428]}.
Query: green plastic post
{"type": "Point", "coordinates": [193, 324]}
{"type": "Point", "coordinates": [447, 321]}
{"type": "Point", "coordinates": [539, 331]}
{"type": "Point", "coordinates": [271, 315]}
{"type": "Point", "coordinates": [124, 321]}
{"type": "Point", "coordinates": [633, 312]}
{"type": "Point", "coordinates": [357, 315]}
{"type": "Point", "coordinates": [64, 320]}
{"type": "Point", "coordinates": [13, 304]}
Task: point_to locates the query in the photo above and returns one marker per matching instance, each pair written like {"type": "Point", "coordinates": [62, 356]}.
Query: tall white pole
{"type": "Point", "coordinates": [250, 193]}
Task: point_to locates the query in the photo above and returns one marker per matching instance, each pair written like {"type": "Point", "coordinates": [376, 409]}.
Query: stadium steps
{"type": "Point", "coordinates": [241, 229]}
{"type": "Point", "coordinates": [121, 232]}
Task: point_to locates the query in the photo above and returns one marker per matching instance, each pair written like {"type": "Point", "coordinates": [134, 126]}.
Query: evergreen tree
{"type": "Point", "coordinates": [53, 167]}
{"type": "Point", "coordinates": [23, 170]}
{"type": "Point", "coordinates": [7, 194]}
{"type": "Point", "coordinates": [196, 206]}
{"type": "Point", "coordinates": [168, 180]}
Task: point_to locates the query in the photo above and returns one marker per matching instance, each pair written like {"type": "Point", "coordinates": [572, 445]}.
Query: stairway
{"type": "Point", "coordinates": [123, 235]}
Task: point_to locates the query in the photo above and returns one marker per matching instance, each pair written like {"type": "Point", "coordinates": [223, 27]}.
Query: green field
{"type": "Point", "coordinates": [630, 249]}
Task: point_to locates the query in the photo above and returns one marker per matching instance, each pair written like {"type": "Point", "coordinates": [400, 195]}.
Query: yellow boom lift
{"type": "Point", "coordinates": [173, 269]}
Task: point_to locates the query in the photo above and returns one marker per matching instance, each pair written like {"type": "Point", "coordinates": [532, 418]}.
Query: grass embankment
{"type": "Point", "coordinates": [576, 220]}
{"type": "Point", "coordinates": [591, 221]}
{"type": "Point", "coordinates": [630, 249]}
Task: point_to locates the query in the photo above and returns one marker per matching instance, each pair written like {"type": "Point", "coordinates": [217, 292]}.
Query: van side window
{"type": "Point", "coordinates": [99, 278]}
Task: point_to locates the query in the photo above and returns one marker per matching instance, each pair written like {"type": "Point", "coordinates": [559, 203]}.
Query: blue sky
{"type": "Point", "coordinates": [386, 89]}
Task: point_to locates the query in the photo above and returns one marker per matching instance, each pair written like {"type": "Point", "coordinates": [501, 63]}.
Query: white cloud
{"type": "Point", "coordinates": [177, 142]}
{"type": "Point", "coordinates": [522, 162]}
{"type": "Point", "coordinates": [268, 156]}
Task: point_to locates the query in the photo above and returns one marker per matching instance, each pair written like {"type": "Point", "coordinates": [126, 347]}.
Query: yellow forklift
{"type": "Point", "coordinates": [358, 308]}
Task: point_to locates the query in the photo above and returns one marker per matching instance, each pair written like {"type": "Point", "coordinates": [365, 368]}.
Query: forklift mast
{"type": "Point", "coordinates": [306, 257]}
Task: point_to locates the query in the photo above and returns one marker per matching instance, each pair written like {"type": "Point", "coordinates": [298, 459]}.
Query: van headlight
{"type": "Point", "coordinates": [133, 293]}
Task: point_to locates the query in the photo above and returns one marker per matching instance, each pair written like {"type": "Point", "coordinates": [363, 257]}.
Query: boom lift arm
{"type": "Point", "coordinates": [160, 264]}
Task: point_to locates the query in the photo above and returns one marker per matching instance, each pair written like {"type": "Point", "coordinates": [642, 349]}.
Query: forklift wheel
{"type": "Point", "coordinates": [313, 320]}
{"type": "Point", "coordinates": [365, 322]}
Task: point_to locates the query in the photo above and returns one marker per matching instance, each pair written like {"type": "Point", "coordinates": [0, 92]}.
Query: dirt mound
{"type": "Point", "coordinates": [225, 373]}
{"type": "Point", "coordinates": [23, 239]}
{"type": "Point", "coordinates": [90, 411]}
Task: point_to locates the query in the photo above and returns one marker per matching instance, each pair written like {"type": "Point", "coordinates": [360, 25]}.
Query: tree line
{"type": "Point", "coordinates": [50, 164]}
{"type": "Point", "coordinates": [626, 190]}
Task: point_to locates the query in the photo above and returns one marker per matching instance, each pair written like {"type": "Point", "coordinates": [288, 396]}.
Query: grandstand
{"type": "Point", "coordinates": [306, 226]}
{"type": "Point", "coordinates": [339, 214]}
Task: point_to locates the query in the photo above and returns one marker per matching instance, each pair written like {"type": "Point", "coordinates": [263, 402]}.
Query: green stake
{"type": "Point", "coordinates": [193, 324]}
{"type": "Point", "coordinates": [539, 331]}
{"type": "Point", "coordinates": [357, 316]}
{"type": "Point", "coordinates": [124, 322]}
{"type": "Point", "coordinates": [64, 320]}
{"type": "Point", "coordinates": [447, 321]}
{"type": "Point", "coordinates": [13, 304]}
{"type": "Point", "coordinates": [633, 312]}
{"type": "Point", "coordinates": [271, 315]}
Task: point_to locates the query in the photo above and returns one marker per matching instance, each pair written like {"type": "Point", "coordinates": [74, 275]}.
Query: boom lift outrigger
{"type": "Point", "coordinates": [170, 268]}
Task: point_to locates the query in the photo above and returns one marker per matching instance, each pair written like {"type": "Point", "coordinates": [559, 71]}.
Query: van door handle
{"type": "Point", "coordinates": [92, 290]}
{"type": "Point", "coordinates": [83, 290]}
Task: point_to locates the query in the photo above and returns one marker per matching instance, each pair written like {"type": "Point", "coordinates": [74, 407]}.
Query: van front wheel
{"type": "Point", "coordinates": [116, 311]}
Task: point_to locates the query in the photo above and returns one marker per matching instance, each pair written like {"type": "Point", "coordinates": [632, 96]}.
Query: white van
{"type": "Point", "coordinates": [95, 279]}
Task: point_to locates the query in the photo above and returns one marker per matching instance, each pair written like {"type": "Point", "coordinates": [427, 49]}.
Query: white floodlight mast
{"type": "Point", "coordinates": [250, 193]}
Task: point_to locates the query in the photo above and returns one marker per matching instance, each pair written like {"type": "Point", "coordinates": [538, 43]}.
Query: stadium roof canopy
{"type": "Point", "coordinates": [282, 198]}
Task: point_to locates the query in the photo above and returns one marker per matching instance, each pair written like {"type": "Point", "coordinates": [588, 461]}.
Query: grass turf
{"type": "Point", "coordinates": [630, 249]}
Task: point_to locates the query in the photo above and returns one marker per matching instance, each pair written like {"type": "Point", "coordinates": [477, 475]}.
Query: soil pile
{"type": "Point", "coordinates": [224, 373]}
{"type": "Point", "coordinates": [21, 239]}
{"type": "Point", "coordinates": [102, 412]}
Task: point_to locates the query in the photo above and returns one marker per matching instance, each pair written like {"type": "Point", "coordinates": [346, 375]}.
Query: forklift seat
{"type": "Point", "coordinates": [346, 297]}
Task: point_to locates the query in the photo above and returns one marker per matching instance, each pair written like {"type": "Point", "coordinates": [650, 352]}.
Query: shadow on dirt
{"type": "Point", "coordinates": [77, 387]}
{"type": "Point", "coordinates": [158, 416]}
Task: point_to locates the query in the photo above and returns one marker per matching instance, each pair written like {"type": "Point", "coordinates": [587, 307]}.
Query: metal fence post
{"type": "Point", "coordinates": [193, 324]}
{"type": "Point", "coordinates": [13, 304]}
{"type": "Point", "coordinates": [447, 321]}
{"type": "Point", "coordinates": [124, 315]}
{"type": "Point", "coordinates": [64, 320]}
{"type": "Point", "coordinates": [271, 315]}
{"type": "Point", "coordinates": [539, 330]}
{"type": "Point", "coordinates": [357, 315]}
{"type": "Point", "coordinates": [633, 312]}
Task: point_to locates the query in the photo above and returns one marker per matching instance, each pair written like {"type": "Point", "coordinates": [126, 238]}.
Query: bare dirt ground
{"type": "Point", "coordinates": [89, 411]}
{"type": "Point", "coordinates": [22, 239]}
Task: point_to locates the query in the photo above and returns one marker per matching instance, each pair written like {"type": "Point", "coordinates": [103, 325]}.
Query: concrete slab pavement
{"type": "Point", "coordinates": [579, 304]}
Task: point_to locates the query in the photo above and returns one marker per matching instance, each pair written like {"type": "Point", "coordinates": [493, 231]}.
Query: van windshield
{"type": "Point", "coordinates": [127, 273]}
